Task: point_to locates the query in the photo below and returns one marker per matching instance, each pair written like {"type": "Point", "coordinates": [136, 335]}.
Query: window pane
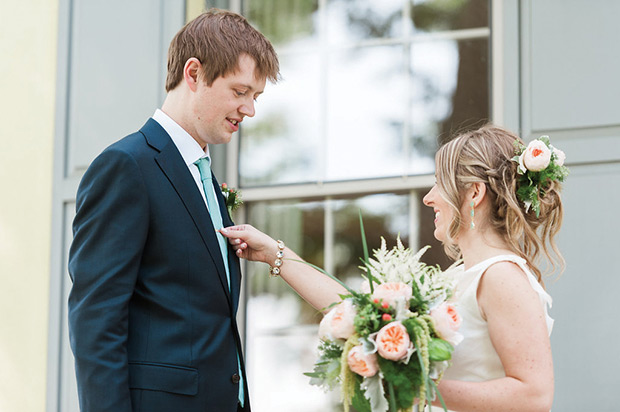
{"type": "Point", "coordinates": [281, 328]}
{"type": "Point", "coordinates": [450, 92]}
{"type": "Point", "coordinates": [276, 363]}
{"type": "Point", "coordinates": [283, 21]}
{"type": "Point", "coordinates": [281, 144]}
{"type": "Point", "coordinates": [432, 15]}
{"type": "Point", "coordinates": [426, 216]}
{"type": "Point", "coordinates": [353, 21]}
{"type": "Point", "coordinates": [300, 225]}
{"type": "Point", "coordinates": [384, 215]}
{"type": "Point", "coordinates": [367, 98]}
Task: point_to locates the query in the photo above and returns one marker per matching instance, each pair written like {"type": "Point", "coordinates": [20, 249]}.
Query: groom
{"type": "Point", "coordinates": [155, 290]}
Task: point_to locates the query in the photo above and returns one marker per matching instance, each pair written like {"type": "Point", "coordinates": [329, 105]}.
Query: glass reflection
{"type": "Point", "coordinates": [300, 225]}
{"type": "Point", "coordinates": [435, 255]}
{"type": "Point", "coordinates": [281, 331]}
{"type": "Point", "coordinates": [384, 215]}
{"type": "Point", "coordinates": [437, 15]}
{"type": "Point", "coordinates": [450, 92]}
{"type": "Point", "coordinates": [367, 98]}
{"type": "Point", "coordinates": [283, 21]}
{"type": "Point", "coordinates": [357, 20]}
{"type": "Point", "coordinates": [281, 144]}
{"type": "Point", "coordinates": [277, 363]}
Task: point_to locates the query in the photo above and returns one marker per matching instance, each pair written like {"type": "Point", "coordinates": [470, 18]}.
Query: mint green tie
{"type": "Point", "coordinates": [204, 166]}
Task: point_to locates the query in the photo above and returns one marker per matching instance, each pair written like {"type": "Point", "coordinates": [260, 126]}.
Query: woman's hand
{"type": "Point", "coordinates": [316, 288]}
{"type": "Point", "coordinates": [250, 243]}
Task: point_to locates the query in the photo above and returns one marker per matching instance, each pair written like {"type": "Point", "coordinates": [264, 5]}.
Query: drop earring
{"type": "Point", "coordinates": [472, 225]}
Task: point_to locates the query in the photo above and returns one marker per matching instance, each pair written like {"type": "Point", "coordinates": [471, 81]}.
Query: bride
{"type": "Point", "coordinates": [498, 216]}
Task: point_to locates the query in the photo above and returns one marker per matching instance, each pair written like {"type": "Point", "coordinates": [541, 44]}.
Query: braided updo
{"type": "Point", "coordinates": [484, 155]}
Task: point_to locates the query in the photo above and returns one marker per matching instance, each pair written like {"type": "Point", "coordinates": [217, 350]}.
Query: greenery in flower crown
{"type": "Point", "coordinates": [396, 383]}
{"type": "Point", "coordinates": [232, 197]}
{"type": "Point", "coordinates": [539, 165]}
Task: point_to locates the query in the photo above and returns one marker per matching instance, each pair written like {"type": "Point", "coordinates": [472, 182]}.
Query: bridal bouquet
{"type": "Point", "coordinates": [388, 344]}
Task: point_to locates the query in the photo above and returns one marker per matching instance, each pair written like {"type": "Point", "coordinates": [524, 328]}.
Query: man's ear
{"type": "Point", "coordinates": [477, 192]}
{"type": "Point", "coordinates": [191, 72]}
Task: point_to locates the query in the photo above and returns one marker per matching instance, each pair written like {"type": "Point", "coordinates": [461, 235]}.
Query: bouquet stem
{"type": "Point", "coordinates": [392, 397]}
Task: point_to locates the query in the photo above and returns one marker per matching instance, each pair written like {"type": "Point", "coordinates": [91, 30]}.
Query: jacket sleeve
{"type": "Point", "coordinates": [109, 233]}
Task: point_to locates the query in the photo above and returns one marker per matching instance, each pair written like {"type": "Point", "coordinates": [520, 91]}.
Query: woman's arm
{"type": "Point", "coordinates": [518, 330]}
{"type": "Point", "coordinates": [316, 288]}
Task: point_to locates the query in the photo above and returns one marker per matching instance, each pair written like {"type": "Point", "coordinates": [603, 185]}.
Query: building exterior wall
{"type": "Point", "coordinates": [556, 74]}
{"type": "Point", "coordinates": [28, 32]}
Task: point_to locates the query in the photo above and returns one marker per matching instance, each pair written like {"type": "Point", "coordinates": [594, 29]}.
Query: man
{"type": "Point", "coordinates": [154, 297]}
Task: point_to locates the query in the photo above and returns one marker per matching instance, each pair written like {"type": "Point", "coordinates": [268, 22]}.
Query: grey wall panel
{"type": "Point", "coordinates": [586, 358]}
{"type": "Point", "coordinates": [117, 60]}
{"type": "Point", "coordinates": [574, 63]}
{"type": "Point", "coordinates": [68, 397]}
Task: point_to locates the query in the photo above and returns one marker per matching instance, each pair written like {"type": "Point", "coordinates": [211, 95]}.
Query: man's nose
{"type": "Point", "coordinates": [247, 109]}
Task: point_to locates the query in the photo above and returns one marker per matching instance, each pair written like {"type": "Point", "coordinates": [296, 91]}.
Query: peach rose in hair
{"type": "Point", "coordinates": [536, 156]}
{"type": "Point", "coordinates": [361, 363]}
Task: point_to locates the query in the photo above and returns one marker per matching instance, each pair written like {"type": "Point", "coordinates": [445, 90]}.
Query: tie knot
{"type": "Point", "coordinates": [204, 167]}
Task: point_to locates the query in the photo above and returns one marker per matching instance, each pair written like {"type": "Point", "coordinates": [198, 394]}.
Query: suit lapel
{"type": "Point", "coordinates": [233, 260]}
{"type": "Point", "coordinates": [172, 165]}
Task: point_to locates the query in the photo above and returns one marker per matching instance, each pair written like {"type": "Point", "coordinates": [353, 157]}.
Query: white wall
{"type": "Point", "coordinates": [27, 79]}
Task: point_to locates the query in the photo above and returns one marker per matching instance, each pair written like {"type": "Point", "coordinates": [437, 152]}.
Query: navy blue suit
{"type": "Point", "coordinates": [151, 318]}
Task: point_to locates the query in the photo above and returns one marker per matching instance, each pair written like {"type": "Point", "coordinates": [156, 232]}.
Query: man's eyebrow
{"type": "Point", "coordinates": [248, 87]}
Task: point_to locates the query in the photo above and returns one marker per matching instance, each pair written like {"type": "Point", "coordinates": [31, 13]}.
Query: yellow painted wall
{"type": "Point", "coordinates": [28, 34]}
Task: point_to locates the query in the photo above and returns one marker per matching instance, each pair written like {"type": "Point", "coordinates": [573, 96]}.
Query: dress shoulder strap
{"type": "Point", "coordinates": [476, 272]}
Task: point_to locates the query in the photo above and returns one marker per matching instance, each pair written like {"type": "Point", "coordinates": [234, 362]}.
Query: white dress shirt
{"type": "Point", "coordinates": [188, 147]}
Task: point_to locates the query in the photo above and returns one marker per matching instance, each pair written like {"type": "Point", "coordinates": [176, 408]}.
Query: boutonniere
{"type": "Point", "coordinates": [232, 197]}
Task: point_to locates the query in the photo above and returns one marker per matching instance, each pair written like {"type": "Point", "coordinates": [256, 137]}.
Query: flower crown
{"type": "Point", "coordinates": [539, 164]}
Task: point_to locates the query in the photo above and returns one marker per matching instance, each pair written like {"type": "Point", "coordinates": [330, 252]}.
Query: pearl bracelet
{"type": "Point", "coordinates": [275, 269]}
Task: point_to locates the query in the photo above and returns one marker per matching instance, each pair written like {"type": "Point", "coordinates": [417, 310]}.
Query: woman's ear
{"type": "Point", "coordinates": [477, 192]}
{"type": "Point", "coordinates": [191, 72]}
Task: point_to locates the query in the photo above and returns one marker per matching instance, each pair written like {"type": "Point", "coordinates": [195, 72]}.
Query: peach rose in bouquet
{"type": "Point", "coordinates": [447, 323]}
{"type": "Point", "coordinates": [393, 341]}
{"type": "Point", "coordinates": [338, 323]}
{"type": "Point", "coordinates": [364, 364]}
{"type": "Point", "coordinates": [391, 292]}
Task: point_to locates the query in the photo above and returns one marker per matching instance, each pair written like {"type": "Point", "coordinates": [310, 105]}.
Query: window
{"type": "Point", "coordinates": [369, 90]}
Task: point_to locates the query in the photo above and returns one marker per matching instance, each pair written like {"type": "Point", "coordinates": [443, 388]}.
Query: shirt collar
{"type": "Point", "coordinates": [188, 147]}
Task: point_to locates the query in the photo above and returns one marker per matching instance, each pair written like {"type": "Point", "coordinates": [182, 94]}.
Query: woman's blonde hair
{"type": "Point", "coordinates": [484, 155]}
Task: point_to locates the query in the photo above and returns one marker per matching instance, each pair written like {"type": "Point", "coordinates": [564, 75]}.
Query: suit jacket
{"type": "Point", "coordinates": [151, 318]}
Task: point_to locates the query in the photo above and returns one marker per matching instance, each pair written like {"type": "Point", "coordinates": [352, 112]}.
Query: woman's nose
{"type": "Point", "coordinates": [427, 199]}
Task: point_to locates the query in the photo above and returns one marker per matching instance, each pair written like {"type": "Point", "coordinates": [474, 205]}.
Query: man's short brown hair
{"type": "Point", "coordinates": [217, 38]}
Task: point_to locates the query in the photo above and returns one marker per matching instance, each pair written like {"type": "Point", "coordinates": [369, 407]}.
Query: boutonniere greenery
{"type": "Point", "coordinates": [232, 197]}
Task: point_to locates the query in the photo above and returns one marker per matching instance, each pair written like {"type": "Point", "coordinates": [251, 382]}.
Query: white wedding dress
{"type": "Point", "coordinates": [475, 358]}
